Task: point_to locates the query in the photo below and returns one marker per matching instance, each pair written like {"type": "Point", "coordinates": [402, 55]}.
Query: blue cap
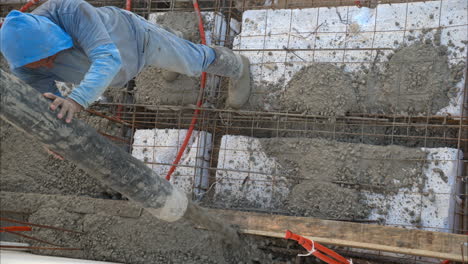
{"type": "Point", "coordinates": [26, 38]}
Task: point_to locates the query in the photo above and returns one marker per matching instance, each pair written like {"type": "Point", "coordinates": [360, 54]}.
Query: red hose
{"type": "Point", "coordinates": [28, 5]}
{"type": "Point", "coordinates": [128, 5]}
{"type": "Point", "coordinates": [199, 102]}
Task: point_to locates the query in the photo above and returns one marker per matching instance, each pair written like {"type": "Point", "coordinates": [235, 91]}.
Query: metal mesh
{"type": "Point", "coordinates": [120, 119]}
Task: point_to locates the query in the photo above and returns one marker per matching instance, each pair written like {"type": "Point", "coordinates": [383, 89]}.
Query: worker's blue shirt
{"type": "Point", "coordinates": [110, 47]}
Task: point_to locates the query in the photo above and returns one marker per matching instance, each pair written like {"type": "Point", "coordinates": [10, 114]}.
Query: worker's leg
{"type": "Point", "coordinates": [237, 67]}
{"type": "Point", "coordinates": [168, 51]}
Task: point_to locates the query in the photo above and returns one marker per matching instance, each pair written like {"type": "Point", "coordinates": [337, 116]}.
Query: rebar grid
{"type": "Point", "coordinates": [415, 131]}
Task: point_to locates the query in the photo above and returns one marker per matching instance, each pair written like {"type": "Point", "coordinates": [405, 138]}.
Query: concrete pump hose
{"type": "Point", "coordinates": [26, 109]}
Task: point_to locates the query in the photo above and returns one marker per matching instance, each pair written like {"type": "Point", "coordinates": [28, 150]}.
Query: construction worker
{"type": "Point", "coordinates": [94, 48]}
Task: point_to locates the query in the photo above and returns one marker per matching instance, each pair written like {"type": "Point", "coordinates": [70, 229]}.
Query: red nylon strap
{"type": "Point", "coordinates": [15, 228]}
{"type": "Point", "coordinates": [28, 5]}
{"type": "Point", "coordinates": [318, 250]}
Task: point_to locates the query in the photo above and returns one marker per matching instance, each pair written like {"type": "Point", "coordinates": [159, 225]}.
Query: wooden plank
{"type": "Point", "coordinates": [367, 236]}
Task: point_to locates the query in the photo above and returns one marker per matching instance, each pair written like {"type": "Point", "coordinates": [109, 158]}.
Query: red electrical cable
{"type": "Point", "coordinates": [325, 254]}
{"type": "Point", "coordinates": [199, 102]}
{"type": "Point", "coordinates": [128, 5]}
{"type": "Point", "coordinates": [28, 5]}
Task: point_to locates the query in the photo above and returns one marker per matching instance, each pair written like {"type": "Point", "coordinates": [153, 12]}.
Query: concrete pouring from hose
{"type": "Point", "coordinates": [26, 109]}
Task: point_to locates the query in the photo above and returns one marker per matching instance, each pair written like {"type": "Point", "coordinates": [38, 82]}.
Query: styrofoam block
{"type": "Point", "coordinates": [143, 142]}
{"type": "Point", "coordinates": [157, 147]}
{"type": "Point", "coordinates": [273, 71]}
{"type": "Point", "coordinates": [247, 175]}
{"type": "Point", "coordinates": [433, 207]}
{"type": "Point", "coordinates": [279, 41]}
{"type": "Point", "coordinates": [330, 40]}
{"type": "Point", "coordinates": [299, 57]}
{"type": "Point", "coordinates": [331, 25]}
{"type": "Point", "coordinates": [302, 40]}
{"type": "Point", "coordinates": [454, 38]}
{"type": "Point", "coordinates": [391, 17]}
{"type": "Point", "coordinates": [328, 56]}
{"type": "Point", "coordinates": [215, 26]}
{"type": "Point", "coordinates": [252, 42]}
{"type": "Point", "coordinates": [254, 22]}
{"type": "Point", "coordinates": [402, 209]}
{"type": "Point", "coordinates": [453, 13]}
{"type": "Point", "coordinates": [356, 56]}
{"type": "Point", "coordinates": [423, 15]}
{"type": "Point", "coordinates": [442, 169]}
{"type": "Point", "coordinates": [363, 40]}
{"type": "Point", "coordinates": [304, 20]}
{"type": "Point", "coordinates": [364, 17]}
{"type": "Point", "coordinates": [437, 212]}
{"type": "Point", "coordinates": [274, 56]}
{"type": "Point", "coordinates": [390, 40]}
{"type": "Point", "coordinates": [333, 19]}
{"type": "Point", "coordinates": [278, 21]}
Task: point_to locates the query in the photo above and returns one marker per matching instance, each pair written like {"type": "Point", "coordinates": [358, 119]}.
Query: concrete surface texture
{"type": "Point", "coordinates": [394, 185]}
{"type": "Point", "coordinates": [385, 41]}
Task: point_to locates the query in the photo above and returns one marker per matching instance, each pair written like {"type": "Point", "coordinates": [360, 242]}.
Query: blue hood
{"type": "Point", "coordinates": [26, 38]}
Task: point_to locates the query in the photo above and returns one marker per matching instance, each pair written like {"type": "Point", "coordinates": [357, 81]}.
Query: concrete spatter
{"type": "Point", "coordinates": [26, 167]}
{"type": "Point", "coordinates": [152, 89]}
{"type": "Point", "coordinates": [321, 199]}
{"type": "Point", "coordinates": [185, 22]}
{"type": "Point", "coordinates": [126, 236]}
{"type": "Point", "coordinates": [4, 64]}
{"type": "Point", "coordinates": [321, 89]}
{"type": "Point", "coordinates": [416, 80]}
{"type": "Point", "coordinates": [329, 176]}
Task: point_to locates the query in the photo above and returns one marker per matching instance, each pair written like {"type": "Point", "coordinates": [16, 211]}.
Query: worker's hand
{"type": "Point", "coordinates": [68, 106]}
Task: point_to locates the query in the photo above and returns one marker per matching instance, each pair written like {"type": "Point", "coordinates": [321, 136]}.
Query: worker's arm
{"type": "Point", "coordinates": [81, 21]}
{"type": "Point", "coordinates": [105, 65]}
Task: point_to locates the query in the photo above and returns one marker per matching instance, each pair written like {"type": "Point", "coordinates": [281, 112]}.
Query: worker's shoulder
{"type": "Point", "coordinates": [59, 6]}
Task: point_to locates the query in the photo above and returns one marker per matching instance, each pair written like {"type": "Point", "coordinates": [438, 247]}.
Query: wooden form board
{"type": "Point", "coordinates": [354, 235]}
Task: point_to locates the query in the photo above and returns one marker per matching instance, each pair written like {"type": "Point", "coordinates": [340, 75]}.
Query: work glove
{"type": "Point", "coordinates": [68, 107]}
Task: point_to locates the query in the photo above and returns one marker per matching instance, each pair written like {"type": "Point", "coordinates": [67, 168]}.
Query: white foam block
{"type": "Point", "coordinates": [246, 174]}
{"type": "Point", "coordinates": [158, 149]}
{"type": "Point", "coordinates": [335, 32]}
{"type": "Point", "coordinates": [214, 24]}
{"type": "Point", "coordinates": [432, 208]}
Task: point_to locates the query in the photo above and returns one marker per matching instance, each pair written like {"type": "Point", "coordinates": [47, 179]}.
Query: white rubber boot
{"type": "Point", "coordinates": [237, 67]}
